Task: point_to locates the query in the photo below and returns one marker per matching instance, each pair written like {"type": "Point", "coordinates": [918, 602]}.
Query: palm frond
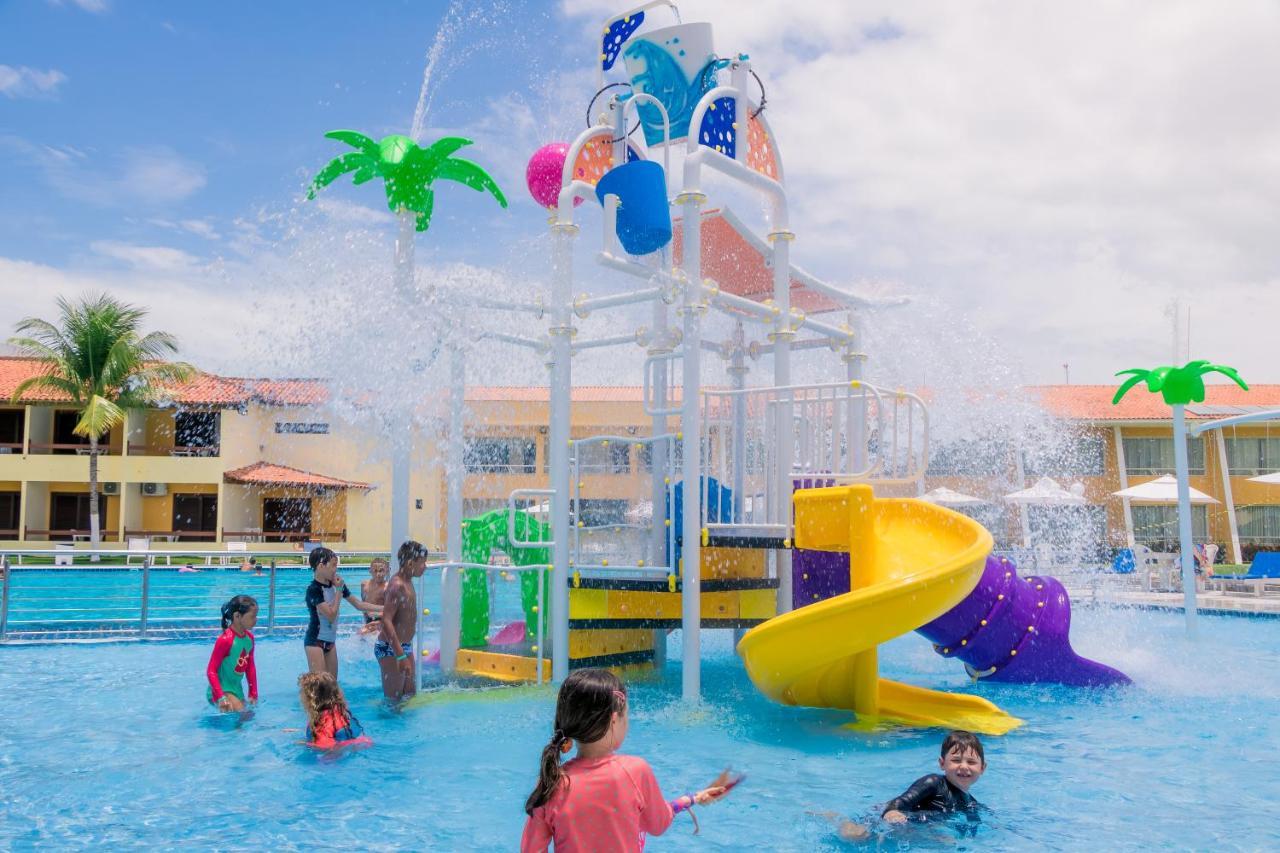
{"type": "Point", "coordinates": [1137, 376]}
{"type": "Point", "coordinates": [98, 417]}
{"type": "Point", "coordinates": [36, 334]}
{"type": "Point", "coordinates": [357, 140]}
{"type": "Point", "coordinates": [470, 174]}
{"type": "Point", "coordinates": [336, 168]}
{"type": "Point", "coordinates": [428, 158]}
{"type": "Point", "coordinates": [423, 219]}
{"type": "Point", "coordinates": [1229, 372]}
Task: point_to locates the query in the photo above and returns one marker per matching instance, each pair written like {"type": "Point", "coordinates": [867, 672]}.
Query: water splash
{"type": "Point", "coordinates": [448, 47]}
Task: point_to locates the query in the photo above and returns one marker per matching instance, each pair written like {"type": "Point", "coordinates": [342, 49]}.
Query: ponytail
{"type": "Point", "coordinates": [237, 605]}
{"type": "Point", "coordinates": [584, 711]}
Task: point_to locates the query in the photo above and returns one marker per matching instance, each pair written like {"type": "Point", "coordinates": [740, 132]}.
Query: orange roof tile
{"type": "Point", "coordinates": [289, 392]}
{"type": "Point", "coordinates": [541, 394]}
{"type": "Point", "coordinates": [1093, 402]}
{"type": "Point", "coordinates": [270, 474]}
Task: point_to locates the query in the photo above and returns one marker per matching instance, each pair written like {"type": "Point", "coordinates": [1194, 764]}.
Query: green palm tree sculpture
{"type": "Point", "coordinates": [1178, 385]}
{"type": "Point", "coordinates": [97, 358]}
{"type": "Point", "coordinates": [407, 170]}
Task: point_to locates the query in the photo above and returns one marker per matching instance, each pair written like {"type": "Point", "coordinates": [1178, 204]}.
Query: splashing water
{"type": "Point", "coordinates": [459, 19]}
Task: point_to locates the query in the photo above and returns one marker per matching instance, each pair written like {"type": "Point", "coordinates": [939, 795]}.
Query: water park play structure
{"type": "Point", "coordinates": [790, 481]}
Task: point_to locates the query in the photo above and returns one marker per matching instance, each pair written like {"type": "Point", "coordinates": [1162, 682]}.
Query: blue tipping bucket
{"type": "Point", "coordinates": [644, 216]}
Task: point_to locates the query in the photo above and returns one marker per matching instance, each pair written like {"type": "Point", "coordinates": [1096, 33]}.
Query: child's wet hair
{"type": "Point", "coordinates": [237, 605]}
{"type": "Point", "coordinates": [319, 692]}
{"type": "Point", "coordinates": [963, 741]}
{"type": "Point", "coordinates": [320, 556]}
{"type": "Point", "coordinates": [584, 711]}
{"type": "Point", "coordinates": [409, 551]}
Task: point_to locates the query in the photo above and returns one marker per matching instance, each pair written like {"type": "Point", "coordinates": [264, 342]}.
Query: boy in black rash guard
{"type": "Point", "coordinates": [962, 763]}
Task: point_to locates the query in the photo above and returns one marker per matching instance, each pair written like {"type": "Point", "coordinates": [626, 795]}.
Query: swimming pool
{"type": "Point", "coordinates": [112, 744]}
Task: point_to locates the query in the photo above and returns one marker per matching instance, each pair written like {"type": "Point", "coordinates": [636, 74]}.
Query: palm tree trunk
{"type": "Point", "coordinates": [95, 534]}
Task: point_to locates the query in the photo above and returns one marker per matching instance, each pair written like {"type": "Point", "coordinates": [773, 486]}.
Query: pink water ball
{"type": "Point", "coordinates": [545, 172]}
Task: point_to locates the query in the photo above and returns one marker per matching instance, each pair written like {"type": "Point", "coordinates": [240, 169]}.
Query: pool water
{"type": "Point", "coordinates": [112, 744]}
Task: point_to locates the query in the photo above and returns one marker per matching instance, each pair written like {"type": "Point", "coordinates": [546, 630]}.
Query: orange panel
{"type": "Point", "coordinates": [760, 156]}
{"type": "Point", "coordinates": [595, 158]}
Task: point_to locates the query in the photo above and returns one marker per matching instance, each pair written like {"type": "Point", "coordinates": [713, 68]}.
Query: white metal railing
{"type": "Point", "coordinates": [844, 432]}
{"type": "Point", "coordinates": [516, 496]}
{"type": "Point", "coordinates": [668, 363]}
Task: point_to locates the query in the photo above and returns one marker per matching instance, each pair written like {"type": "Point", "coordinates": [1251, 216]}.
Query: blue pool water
{"type": "Point", "coordinates": [112, 744]}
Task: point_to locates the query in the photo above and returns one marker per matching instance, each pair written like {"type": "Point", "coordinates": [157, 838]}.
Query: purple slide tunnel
{"type": "Point", "coordinates": [1008, 629]}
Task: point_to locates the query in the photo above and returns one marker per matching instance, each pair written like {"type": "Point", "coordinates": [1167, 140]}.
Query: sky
{"type": "Point", "coordinates": [1042, 179]}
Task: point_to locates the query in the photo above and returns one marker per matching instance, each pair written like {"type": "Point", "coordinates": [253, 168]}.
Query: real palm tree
{"type": "Point", "coordinates": [98, 359]}
{"type": "Point", "coordinates": [407, 170]}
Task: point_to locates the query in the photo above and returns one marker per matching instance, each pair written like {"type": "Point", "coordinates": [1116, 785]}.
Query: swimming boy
{"type": "Point", "coordinates": [962, 763]}
{"type": "Point", "coordinates": [394, 649]}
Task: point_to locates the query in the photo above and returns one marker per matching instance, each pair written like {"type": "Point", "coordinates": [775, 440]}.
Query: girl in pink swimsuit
{"type": "Point", "coordinates": [599, 801]}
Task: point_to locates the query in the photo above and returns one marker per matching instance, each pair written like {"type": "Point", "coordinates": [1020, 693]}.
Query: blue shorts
{"type": "Point", "coordinates": [383, 649]}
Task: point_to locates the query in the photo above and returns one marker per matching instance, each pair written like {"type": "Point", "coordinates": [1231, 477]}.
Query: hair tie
{"type": "Point", "coordinates": [566, 746]}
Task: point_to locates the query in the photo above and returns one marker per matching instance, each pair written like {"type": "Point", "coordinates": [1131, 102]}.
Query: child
{"type": "Point", "coordinates": [600, 800]}
{"type": "Point", "coordinates": [233, 655]}
{"type": "Point", "coordinates": [330, 722]}
{"type": "Point", "coordinates": [374, 591]}
{"type": "Point", "coordinates": [324, 597]}
{"type": "Point", "coordinates": [962, 763]}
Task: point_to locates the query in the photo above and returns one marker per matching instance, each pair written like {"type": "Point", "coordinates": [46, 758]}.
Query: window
{"type": "Point", "coordinates": [1082, 456]}
{"type": "Point", "coordinates": [970, 457]}
{"type": "Point", "coordinates": [64, 424]}
{"type": "Point", "coordinates": [1250, 456]}
{"type": "Point", "coordinates": [11, 428]}
{"type": "Point", "coordinates": [292, 428]}
{"type": "Point", "coordinates": [1157, 526]}
{"type": "Point", "coordinates": [600, 458]}
{"type": "Point", "coordinates": [195, 430]}
{"type": "Point", "coordinates": [1155, 455]}
{"type": "Point", "coordinates": [501, 456]}
{"type": "Point", "coordinates": [9, 506]}
{"type": "Point", "coordinates": [69, 512]}
{"type": "Point", "coordinates": [599, 513]}
{"type": "Point", "coordinates": [284, 516]}
{"type": "Point", "coordinates": [197, 513]}
{"type": "Point", "coordinates": [1259, 524]}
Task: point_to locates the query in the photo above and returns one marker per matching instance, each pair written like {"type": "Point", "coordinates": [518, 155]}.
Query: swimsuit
{"type": "Point", "coordinates": [933, 793]}
{"type": "Point", "coordinates": [383, 649]}
{"type": "Point", "coordinates": [336, 729]}
{"type": "Point", "coordinates": [232, 656]}
{"type": "Point", "coordinates": [321, 632]}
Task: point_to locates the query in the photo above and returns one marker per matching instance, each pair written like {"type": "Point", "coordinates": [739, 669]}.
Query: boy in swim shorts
{"type": "Point", "coordinates": [394, 649]}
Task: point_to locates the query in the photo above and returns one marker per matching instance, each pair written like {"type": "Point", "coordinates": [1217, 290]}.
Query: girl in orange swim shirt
{"type": "Point", "coordinates": [330, 722]}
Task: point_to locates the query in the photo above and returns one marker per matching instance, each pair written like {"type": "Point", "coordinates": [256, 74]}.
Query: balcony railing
{"type": "Point", "coordinates": [10, 446]}
{"type": "Point", "coordinates": [73, 447]}
{"type": "Point", "coordinates": [284, 535]}
{"type": "Point", "coordinates": [174, 535]}
{"type": "Point", "coordinates": [72, 535]}
{"type": "Point", "coordinates": [165, 450]}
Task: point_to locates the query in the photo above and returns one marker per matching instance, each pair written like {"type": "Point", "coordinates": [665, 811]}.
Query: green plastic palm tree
{"type": "Point", "coordinates": [1178, 385]}
{"type": "Point", "coordinates": [407, 170]}
{"type": "Point", "coordinates": [99, 360]}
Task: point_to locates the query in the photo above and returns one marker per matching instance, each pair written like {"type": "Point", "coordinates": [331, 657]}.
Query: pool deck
{"type": "Point", "coordinates": [1207, 602]}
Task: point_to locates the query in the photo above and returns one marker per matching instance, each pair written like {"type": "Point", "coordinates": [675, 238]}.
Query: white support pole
{"type": "Point", "coordinates": [691, 429]}
{"type": "Point", "coordinates": [738, 370]}
{"type": "Point", "coordinates": [1024, 510]}
{"type": "Point", "coordinates": [659, 463]}
{"type": "Point", "coordinates": [1124, 484]}
{"type": "Point", "coordinates": [455, 474]}
{"type": "Point", "coordinates": [563, 232]}
{"type": "Point", "coordinates": [1185, 541]}
{"type": "Point", "coordinates": [401, 424]}
{"type": "Point", "coordinates": [1228, 498]}
{"type": "Point", "coordinates": [782, 336]}
{"type": "Point", "coordinates": [854, 366]}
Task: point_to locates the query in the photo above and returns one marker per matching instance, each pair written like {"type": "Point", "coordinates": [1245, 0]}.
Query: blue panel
{"type": "Point", "coordinates": [717, 127]}
{"type": "Point", "coordinates": [619, 32]}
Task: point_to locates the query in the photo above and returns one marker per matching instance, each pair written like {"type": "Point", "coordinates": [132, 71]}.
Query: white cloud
{"type": "Point", "coordinates": [199, 227]}
{"type": "Point", "coordinates": [153, 175]}
{"type": "Point", "coordinates": [24, 82]}
{"type": "Point", "coordinates": [95, 6]}
{"type": "Point", "coordinates": [153, 258]}
{"type": "Point", "coordinates": [1058, 171]}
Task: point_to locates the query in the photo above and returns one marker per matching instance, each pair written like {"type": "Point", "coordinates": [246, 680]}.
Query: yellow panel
{"type": "Point", "coordinates": [502, 667]}
{"type": "Point", "coordinates": [588, 603]}
{"type": "Point", "coordinates": [720, 605]}
{"type": "Point", "coordinates": [613, 641]}
{"type": "Point", "coordinates": [758, 603]}
{"type": "Point", "coordinates": [643, 605]}
{"type": "Point", "coordinates": [719, 563]}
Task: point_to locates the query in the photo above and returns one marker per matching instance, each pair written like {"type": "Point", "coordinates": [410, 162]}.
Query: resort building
{"type": "Point", "coordinates": [269, 462]}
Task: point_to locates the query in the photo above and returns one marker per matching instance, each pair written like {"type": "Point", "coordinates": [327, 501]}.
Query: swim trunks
{"type": "Point", "coordinates": [323, 645]}
{"type": "Point", "coordinates": [383, 649]}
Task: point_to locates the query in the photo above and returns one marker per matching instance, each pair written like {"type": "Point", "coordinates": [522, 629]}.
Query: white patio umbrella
{"type": "Point", "coordinates": [1045, 492]}
{"type": "Point", "coordinates": [1163, 490]}
{"type": "Point", "coordinates": [949, 497]}
{"type": "Point", "coordinates": [1270, 479]}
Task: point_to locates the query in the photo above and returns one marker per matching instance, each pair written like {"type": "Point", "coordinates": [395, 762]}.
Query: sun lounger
{"type": "Point", "coordinates": [1263, 575]}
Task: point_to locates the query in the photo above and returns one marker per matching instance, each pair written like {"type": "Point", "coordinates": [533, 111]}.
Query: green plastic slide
{"type": "Point", "coordinates": [480, 536]}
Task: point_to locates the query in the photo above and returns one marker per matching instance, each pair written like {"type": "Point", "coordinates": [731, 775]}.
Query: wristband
{"type": "Point", "coordinates": [677, 806]}
{"type": "Point", "coordinates": [401, 657]}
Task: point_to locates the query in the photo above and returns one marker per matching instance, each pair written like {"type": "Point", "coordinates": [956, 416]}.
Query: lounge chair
{"type": "Point", "coordinates": [1264, 573]}
{"type": "Point", "coordinates": [139, 547]}
{"type": "Point", "coordinates": [224, 558]}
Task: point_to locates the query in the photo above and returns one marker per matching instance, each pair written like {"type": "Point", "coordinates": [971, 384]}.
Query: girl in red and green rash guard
{"type": "Point", "coordinates": [233, 656]}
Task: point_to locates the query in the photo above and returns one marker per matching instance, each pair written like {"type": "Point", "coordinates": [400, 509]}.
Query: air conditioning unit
{"type": "Point", "coordinates": [111, 488]}
{"type": "Point", "coordinates": [154, 489]}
